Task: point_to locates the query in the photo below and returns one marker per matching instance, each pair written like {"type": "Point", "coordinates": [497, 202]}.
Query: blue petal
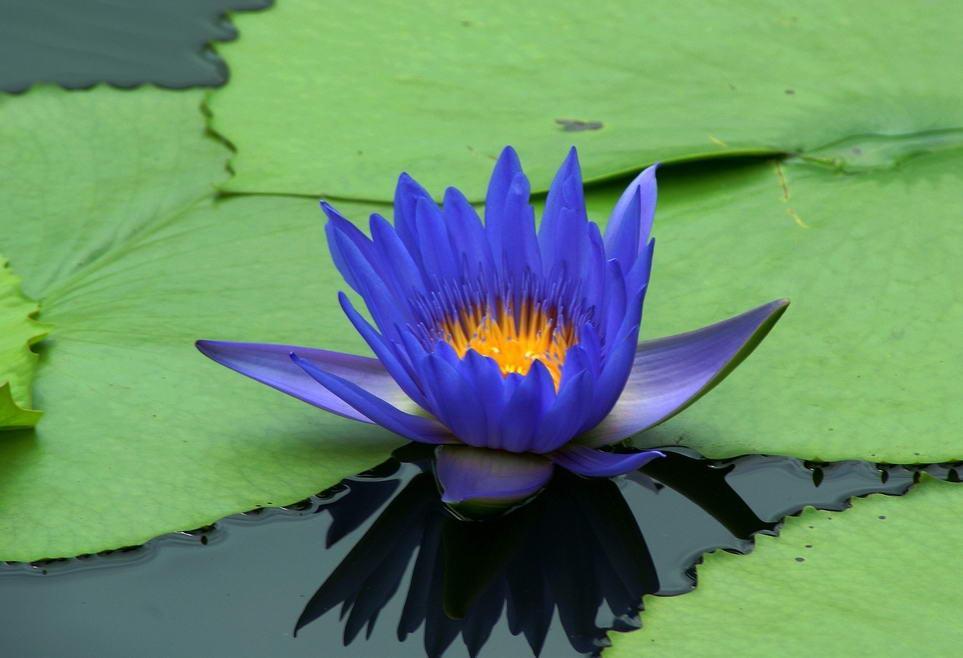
{"type": "Point", "coordinates": [476, 474]}
{"type": "Point", "coordinates": [638, 277]}
{"type": "Point", "coordinates": [437, 258]}
{"type": "Point", "coordinates": [385, 310]}
{"type": "Point", "coordinates": [615, 373]}
{"type": "Point", "coordinates": [506, 169]}
{"type": "Point", "coordinates": [407, 194]}
{"type": "Point", "coordinates": [416, 428]}
{"type": "Point", "coordinates": [467, 235]}
{"type": "Point", "coordinates": [490, 386]}
{"type": "Point", "coordinates": [630, 224]}
{"type": "Point", "coordinates": [519, 243]}
{"type": "Point", "coordinates": [615, 301]}
{"type": "Point", "coordinates": [566, 416]}
{"type": "Point", "coordinates": [385, 352]}
{"type": "Point", "coordinates": [669, 374]}
{"type": "Point", "coordinates": [338, 224]}
{"type": "Point", "coordinates": [405, 276]}
{"type": "Point", "coordinates": [593, 268]}
{"type": "Point", "coordinates": [271, 365]}
{"type": "Point", "coordinates": [596, 463]}
{"type": "Point", "coordinates": [564, 220]}
{"type": "Point", "coordinates": [457, 401]}
{"type": "Point", "coordinates": [524, 410]}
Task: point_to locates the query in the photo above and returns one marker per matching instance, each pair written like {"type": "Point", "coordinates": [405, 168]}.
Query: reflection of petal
{"type": "Point", "coordinates": [704, 483]}
{"type": "Point", "coordinates": [490, 477]}
{"type": "Point", "coordinates": [597, 463]}
{"type": "Point", "coordinates": [396, 530]}
{"type": "Point", "coordinates": [671, 373]}
{"type": "Point", "coordinates": [354, 509]}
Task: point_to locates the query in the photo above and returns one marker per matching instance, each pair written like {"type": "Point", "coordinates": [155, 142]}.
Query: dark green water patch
{"type": "Point", "coordinates": [124, 43]}
{"type": "Point", "coordinates": [377, 567]}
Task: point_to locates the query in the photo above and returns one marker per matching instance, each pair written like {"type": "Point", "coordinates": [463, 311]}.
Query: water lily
{"type": "Point", "coordinates": [514, 350]}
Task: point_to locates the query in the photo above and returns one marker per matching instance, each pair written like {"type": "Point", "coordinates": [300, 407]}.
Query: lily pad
{"type": "Point", "coordinates": [832, 584]}
{"type": "Point", "coordinates": [865, 362]}
{"type": "Point", "coordinates": [18, 331]}
{"type": "Point", "coordinates": [122, 42]}
{"type": "Point", "coordinates": [362, 91]}
{"type": "Point", "coordinates": [110, 218]}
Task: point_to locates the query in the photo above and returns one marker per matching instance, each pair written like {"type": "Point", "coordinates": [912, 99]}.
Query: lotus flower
{"type": "Point", "coordinates": [515, 351]}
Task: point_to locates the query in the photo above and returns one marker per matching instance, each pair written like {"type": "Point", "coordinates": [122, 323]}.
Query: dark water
{"type": "Point", "coordinates": [377, 567]}
{"type": "Point", "coordinates": [80, 43]}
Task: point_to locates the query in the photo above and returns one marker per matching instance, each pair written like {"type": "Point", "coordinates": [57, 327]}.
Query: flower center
{"type": "Point", "coordinates": [514, 340]}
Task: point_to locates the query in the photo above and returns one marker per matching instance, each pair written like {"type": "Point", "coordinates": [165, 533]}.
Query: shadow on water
{"type": "Point", "coordinates": [377, 566]}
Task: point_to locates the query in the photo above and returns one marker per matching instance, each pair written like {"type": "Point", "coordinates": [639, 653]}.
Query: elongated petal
{"type": "Point", "coordinates": [519, 243]}
{"type": "Point", "coordinates": [669, 374]}
{"type": "Point", "coordinates": [407, 194]}
{"type": "Point", "coordinates": [467, 235]}
{"type": "Point", "coordinates": [627, 233]}
{"type": "Point", "coordinates": [589, 462]}
{"type": "Point", "coordinates": [392, 252]}
{"type": "Point", "coordinates": [564, 227]}
{"type": "Point", "coordinates": [489, 476]}
{"type": "Point", "coordinates": [524, 410]}
{"type": "Point", "coordinates": [410, 426]}
{"type": "Point", "coordinates": [384, 351]}
{"type": "Point", "coordinates": [568, 412]}
{"type": "Point", "coordinates": [271, 365]}
{"type": "Point", "coordinates": [506, 169]}
{"type": "Point", "coordinates": [457, 401]}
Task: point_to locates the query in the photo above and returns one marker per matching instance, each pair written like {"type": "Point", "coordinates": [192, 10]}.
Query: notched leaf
{"type": "Point", "coordinates": [18, 331]}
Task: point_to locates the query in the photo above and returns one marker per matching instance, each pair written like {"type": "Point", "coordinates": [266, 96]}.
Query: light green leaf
{"type": "Point", "coordinates": [865, 363]}
{"type": "Point", "coordinates": [141, 434]}
{"type": "Point", "coordinates": [339, 101]}
{"type": "Point", "coordinates": [18, 331]}
{"type": "Point", "coordinates": [880, 579]}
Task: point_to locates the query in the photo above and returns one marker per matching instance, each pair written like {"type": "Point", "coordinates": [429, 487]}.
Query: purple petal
{"type": "Point", "coordinates": [467, 235]}
{"type": "Point", "coordinates": [627, 233]}
{"type": "Point", "coordinates": [478, 474]}
{"type": "Point", "coordinates": [271, 365]}
{"type": "Point", "coordinates": [519, 243]}
{"type": "Point", "coordinates": [564, 228]}
{"type": "Point", "coordinates": [566, 415]}
{"type": "Point", "coordinates": [457, 401]}
{"type": "Point", "coordinates": [669, 374]}
{"type": "Point", "coordinates": [384, 351]}
{"type": "Point", "coordinates": [410, 426]}
{"type": "Point", "coordinates": [524, 410]}
{"type": "Point", "coordinates": [506, 169]}
{"type": "Point", "coordinates": [407, 194]}
{"type": "Point", "coordinates": [596, 463]}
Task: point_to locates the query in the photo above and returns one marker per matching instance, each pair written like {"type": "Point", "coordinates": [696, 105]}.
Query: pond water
{"type": "Point", "coordinates": [376, 566]}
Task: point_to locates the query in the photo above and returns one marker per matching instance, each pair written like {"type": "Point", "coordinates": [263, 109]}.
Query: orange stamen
{"type": "Point", "coordinates": [514, 346]}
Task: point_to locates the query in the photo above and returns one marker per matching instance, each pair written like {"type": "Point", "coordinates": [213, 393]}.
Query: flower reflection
{"type": "Point", "coordinates": [573, 550]}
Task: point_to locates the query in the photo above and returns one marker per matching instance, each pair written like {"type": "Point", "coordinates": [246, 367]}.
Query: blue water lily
{"type": "Point", "coordinates": [514, 350]}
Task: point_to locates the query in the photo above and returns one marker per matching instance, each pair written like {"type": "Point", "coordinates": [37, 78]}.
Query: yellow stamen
{"type": "Point", "coordinates": [515, 346]}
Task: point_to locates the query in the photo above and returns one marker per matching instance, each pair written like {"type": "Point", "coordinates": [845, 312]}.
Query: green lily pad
{"type": "Point", "coordinates": [362, 91]}
{"type": "Point", "coordinates": [832, 584]}
{"type": "Point", "coordinates": [18, 331]}
{"type": "Point", "coordinates": [110, 219]}
{"type": "Point", "coordinates": [865, 362]}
